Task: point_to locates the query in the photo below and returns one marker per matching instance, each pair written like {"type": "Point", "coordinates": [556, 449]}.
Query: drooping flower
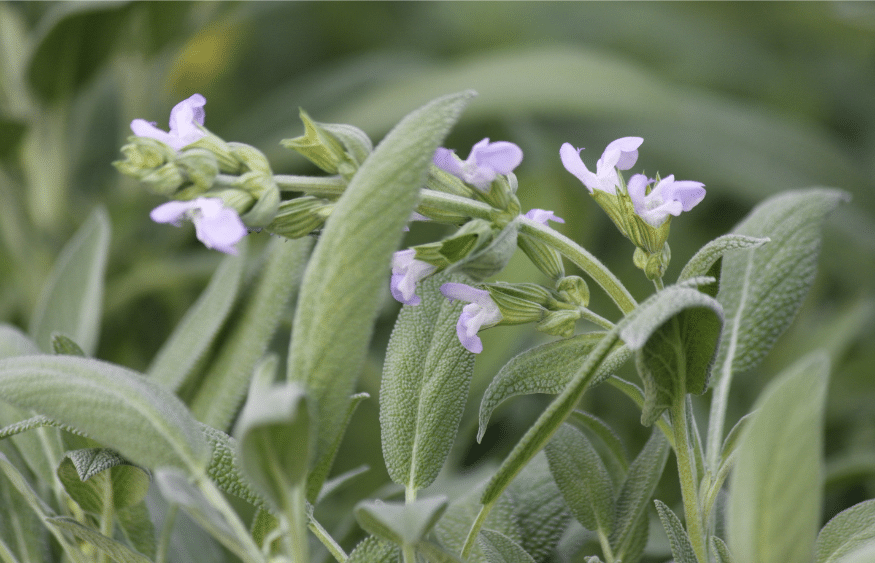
{"type": "Point", "coordinates": [184, 120]}
{"type": "Point", "coordinates": [486, 161]}
{"type": "Point", "coordinates": [480, 311]}
{"type": "Point", "coordinates": [542, 216]}
{"type": "Point", "coordinates": [667, 197]}
{"type": "Point", "coordinates": [406, 273]}
{"type": "Point", "coordinates": [216, 226]}
{"type": "Point", "coordinates": [619, 155]}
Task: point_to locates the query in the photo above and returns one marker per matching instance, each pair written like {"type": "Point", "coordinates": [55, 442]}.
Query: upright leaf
{"type": "Point", "coordinates": [115, 406]}
{"type": "Point", "coordinates": [849, 532]}
{"type": "Point", "coordinates": [72, 299]}
{"type": "Point", "coordinates": [342, 287]}
{"type": "Point", "coordinates": [776, 487]}
{"type": "Point", "coordinates": [424, 387]}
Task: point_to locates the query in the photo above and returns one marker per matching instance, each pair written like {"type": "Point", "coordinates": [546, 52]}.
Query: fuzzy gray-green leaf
{"type": "Point", "coordinates": [776, 485]}
{"type": "Point", "coordinates": [342, 287]}
{"type": "Point", "coordinates": [681, 547]}
{"type": "Point", "coordinates": [545, 369]}
{"type": "Point", "coordinates": [424, 388]}
{"type": "Point", "coordinates": [582, 478]}
{"type": "Point", "coordinates": [849, 532]}
{"type": "Point", "coordinates": [115, 406]}
{"type": "Point", "coordinates": [72, 299]}
{"type": "Point", "coordinates": [499, 548]}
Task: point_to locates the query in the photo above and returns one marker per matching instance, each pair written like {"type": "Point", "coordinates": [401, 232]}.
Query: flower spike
{"type": "Point", "coordinates": [481, 310]}
{"type": "Point", "coordinates": [216, 226]}
{"type": "Point", "coordinates": [185, 117]}
{"type": "Point", "coordinates": [486, 161]}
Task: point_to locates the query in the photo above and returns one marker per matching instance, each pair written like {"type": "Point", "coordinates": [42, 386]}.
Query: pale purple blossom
{"type": "Point", "coordinates": [619, 155]}
{"type": "Point", "coordinates": [184, 120]}
{"type": "Point", "coordinates": [667, 197]}
{"type": "Point", "coordinates": [486, 161]}
{"type": "Point", "coordinates": [480, 311]}
{"type": "Point", "coordinates": [216, 226]}
{"type": "Point", "coordinates": [542, 216]}
{"type": "Point", "coordinates": [406, 273]}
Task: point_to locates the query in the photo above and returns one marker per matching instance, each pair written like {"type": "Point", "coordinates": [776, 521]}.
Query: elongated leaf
{"type": "Point", "coordinates": [545, 369]}
{"type": "Point", "coordinates": [118, 551]}
{"type": "Point", "coordinates": [499, 548]}
{"type": "Point", "coordinates": [71, 301]}
{"type": "Point", "coordinates": [400, 523]}
{"type": "Point", "coordinates": [197, 329]}
{"type": "Point", "coordinates": [115, 406]}
{"type": "Point", "coordinates": [374, 550]}
{"type": "Point", "coordinates": [675, 336]}
{"type": "Point", "coordinates": [849, 532]}
{"type": "Point", "coordinates": [701, 262]}
{"type": "Point", "coordinates": [776, 486]}
{"type": "Point", "coordinates": [340, 294]}
{"type": "Point", "coordinates": [424, 388]}
{"type": "Point", "coordinates": [635, 495]}
{"type": "Point", "coordinates": [681, 547]}
{"type": "Point", "coordinates": [224, 386]}
{"type": "Point", "coordinates": [582, 478]}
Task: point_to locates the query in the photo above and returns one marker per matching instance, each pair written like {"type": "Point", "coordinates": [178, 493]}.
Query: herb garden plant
{"type": "Point", "coordinates": [102, 463]}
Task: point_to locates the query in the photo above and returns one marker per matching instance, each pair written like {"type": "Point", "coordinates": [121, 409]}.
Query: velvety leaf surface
{"type": "Point", "coordinates": [776, 486]}
{"type": "Point", "coordinates": [424, 386]}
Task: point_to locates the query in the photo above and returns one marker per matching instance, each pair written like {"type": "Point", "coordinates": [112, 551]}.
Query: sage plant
{"type": "Point", "coordinates": [93, 447]}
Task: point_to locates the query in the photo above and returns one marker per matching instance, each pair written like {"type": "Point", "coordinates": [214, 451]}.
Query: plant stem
{"type": "Point", "coordinates": [686, 473]}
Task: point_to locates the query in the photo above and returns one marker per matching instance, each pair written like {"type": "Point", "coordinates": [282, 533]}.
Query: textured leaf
{"type": "Point", "coordinates": [776, 486]}
{"type": "Point", "coordinates": [119, 552]}
{"type": "Point", "coordinates": [681, 547]}
{"type": "Point", "coordinates": [582, 478]}
{"type": "Point", "coordinates": [341, 291]}
{"type": "Point", "coordinates": [224, 386]}
{"type": "Point", "coordinates": [425, 382]}
{"type": "Point", "coordinates": [374, 550]}
{"type": "Point", "coordinates": [849, 532]}
{"type": "Point", "coordinates": [499, 548]}
{"type": "Point", "coordinates": [701, 262]}
{"type": "Point", "coordinates": [400, 523]}
{"type": "Point", "coordinates": [635, 495]}
{"type": "Point", "coordinates": [675, 335]}
{"type": "Point", "coordinates": [545, 369]}
{"type": "Point", "coordinates": [195, 332]}
{"type": "Point", "coordinates": [72, 298]}
{"type": "Point", "coordinates": [115, 406]}
{"type": "Point", "coordinates": [89, 476]}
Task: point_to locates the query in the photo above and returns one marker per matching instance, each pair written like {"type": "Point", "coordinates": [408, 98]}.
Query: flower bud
{"type": "Point", "coordinates": [559, 323]}
{"type": "Point", "coordinates": [573, 290]}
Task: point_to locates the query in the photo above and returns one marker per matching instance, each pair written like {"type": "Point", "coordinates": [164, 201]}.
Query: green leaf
{"type": "Point", "coordinates": [675, 335]}
{"type": "Point", "coordinates": [761, 289]}
{"type": "Point", "coordinates": [498, 548]}
{"type": "Point", "coordinates": [119, 552]}
{"type": "Point", "coordinates": [274, 440]}
{"type": "Point", "coordinates": [341, 292]}
{"type": "Point", "coordinates": [71, 300]}
{"type": "Point", "coordinates": [582, 478]}
{"type": "Point", "coordinates": [196, 331]}
{"type": "Point", "coordinates": [849, 532]}
{"type": "Point", "coordinates": [224, 386]}
{"type": "Point", "coordinates": [400, 523]}
{"type": "Point", "coordinates": [720, 551]}
{"type": "Point", "coordinates": [425, 382]}
{"type": "Point", "coordinates": [776, 486]}
{"type": "Point", "coordinates": [635, 494]}
{"type": "Point", "coordinates": [89, 476]}
{"type": "Point", "coordinates": [374, 550]}
{"type": "Point", "coordinates": [115, 406]}
{"type": "Point", "coordinates": [545, 369]}
{"type": "Point", "coordinates": [681, 547]}
{"type": "Point", "coordinates": [702, 262]}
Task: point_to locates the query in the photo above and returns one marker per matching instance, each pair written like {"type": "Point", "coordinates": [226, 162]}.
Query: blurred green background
{"type": "Point", "coordinates": [749, 98]}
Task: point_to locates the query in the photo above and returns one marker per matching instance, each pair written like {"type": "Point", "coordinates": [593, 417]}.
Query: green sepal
{"type": "Point", "coordinates": [92, 474]}
{"type": "Point", "coordinates": [400, 523]}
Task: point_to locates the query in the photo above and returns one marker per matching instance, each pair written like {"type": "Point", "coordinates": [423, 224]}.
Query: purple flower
{"type": "Point", "coordinates": [620, 154]}
{"type": "Point", "coordinates": [485, 162]}
{"type": "Point", "coordinates": [216, 226]}
{"type": "Point", "coordinates": [406, 272]}
{"type": "Point", "coordinates": [481, 310]}
{"type": "Point", "coordinates": [668, 197]}
{"type": "Point", "coordinates": [184, 120]}
{"type": "Point", "coordinates": [542, 216]}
